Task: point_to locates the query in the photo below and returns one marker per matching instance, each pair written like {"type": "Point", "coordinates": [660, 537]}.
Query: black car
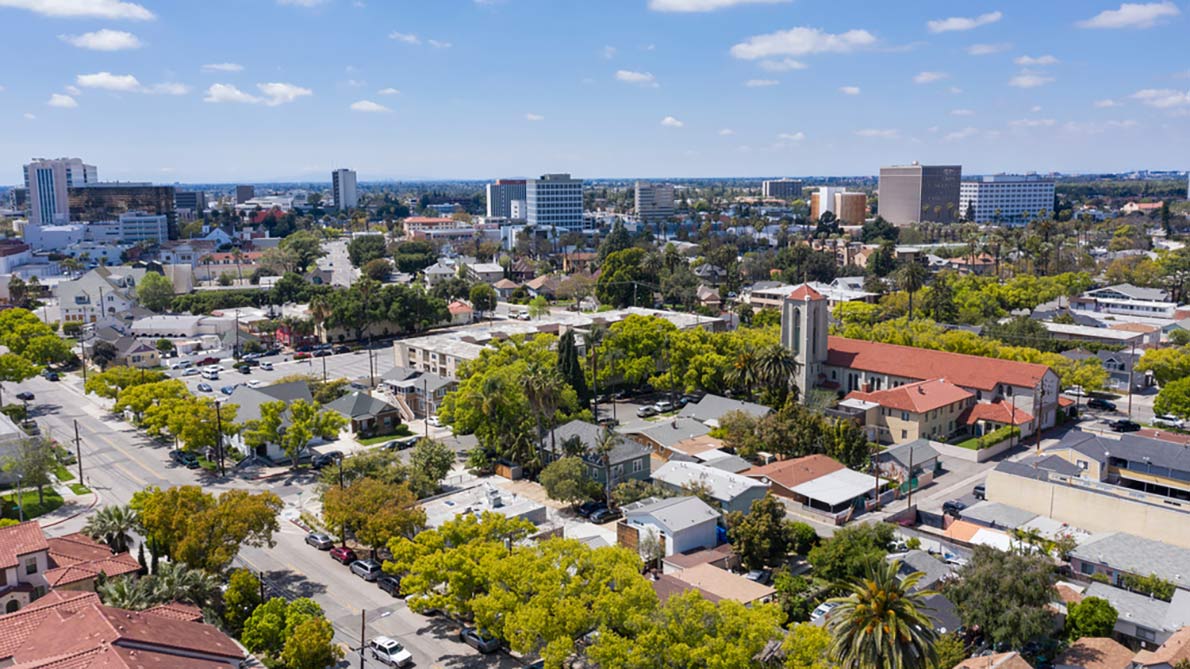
{"type": "Point", "coordinates": [979, 491]}
{"type": "Point", "coordinates": [50, 375]}
{"type": "Point", "coordinates": [587, 508]}
{"type": "Point", "coordinates": [953, 508]}
{"type": "Point", "coordinates": [184, 458]}
{"type": "Point", "coordinates": [325, 459]}
{"type": "Point", "coordinates": [400, 444]}
{"type": "Point", "coordinates": [1124, 425]}
{"type": "Point", "coordinates": [25, 396]}
{"type": "Point", "coordinates": [1101, 404]}
{"type": "Point", "coordinates": [341, 348]}
{"type": "Point", "coordinates": [604, 515]}
{"type": "Point", "coordinates": [322, 353]}
{"type": "Point", "coordinates": [390, 584]}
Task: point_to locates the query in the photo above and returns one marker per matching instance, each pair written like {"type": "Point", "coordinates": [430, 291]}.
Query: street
{"type": "Point", "coordinates": [337, 260]}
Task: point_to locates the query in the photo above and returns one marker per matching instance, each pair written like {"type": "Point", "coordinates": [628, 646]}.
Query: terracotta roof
{"type": "Point", "coordinates": [117, 657]}
{"type": "Point", "coordinates": [1096, 653]}
{"type": "Point", "coordinates": [961, 530]}
{"type": "Point", "coordinates": [18, 540]}
{"type": "Point", "coordinates": [1064, 401]}
{"type": "Point", "coordinates": [177, 611]}
{"type": "Point", "coordinates": [695, 445]}
{"type": "Point", "coordinates": [805, 292]}
{"type": "Point", "coordinates": [17, 626]}
{"type": "Point", "coordinates": [1143, 328]}
{"type": "Point", "coordinates": [1010, 660]}
{"type": "Point", "coordinates": [917, 397]}
{"type": "Point", "coordinates": [701, 556]}
{"type": "Point", "coordinates": [1175, 649]}
{"type": "Point", "coordinates": [790, 473]}
{"type": "Point", "coordinates": [996, 412]}
{"type": "Point", "coordinates": [77, 557]}
{"type": "Point", "coordinates": [968, 371]}
{"type": "Point", "coordinates": [1067, 594]}
{"type": "Point", "coordinates": [457, 307]}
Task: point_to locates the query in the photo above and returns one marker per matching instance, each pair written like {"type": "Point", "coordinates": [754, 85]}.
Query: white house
{"type": "Point", "coordinates": [732, 492]}
{"type": "Point", "coordinates": [682, 523]}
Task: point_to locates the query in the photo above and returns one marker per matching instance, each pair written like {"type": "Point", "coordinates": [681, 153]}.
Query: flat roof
{"type": "Point", "coordinates": [836, 487]}
{"type": "Point", "coordinates": [724, 584]}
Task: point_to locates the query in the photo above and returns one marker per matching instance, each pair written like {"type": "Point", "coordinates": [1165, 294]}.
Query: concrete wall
{"type": "Point", "coordinates": [968, 455]}
{"type": "Point", "coordinates": [1091, 510]}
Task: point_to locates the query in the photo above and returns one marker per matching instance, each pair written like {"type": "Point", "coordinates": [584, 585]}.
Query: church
{"type": "Point", "coordinates": [906, 393]}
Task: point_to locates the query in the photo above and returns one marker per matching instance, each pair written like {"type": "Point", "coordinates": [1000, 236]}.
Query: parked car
{"type": "Point", "coordinates": [400, 444]}
{"type": "Point", "coordinates": [822, 611]}
{"type": "Point", "coordinates": [184, 458]}
{"type": "Point", "coordinates": [646, 411]}
{"type": "Point", "coordinates": [50, 375]}
{"type": "Point", "coordinates": [254, 383]}
{"type": "Point", "coordinates": [390, 584]}
{"type": "Point", "coordinates": [1166, 420]}
{"type": "Point", "coordinates": [209, 360]}
{"type": "Point", "coordinates": [341, 348]}
{"type": "Point", "coordinates": [1076, 391]}
{"type": "Point", "coordinates": [604, 515]}
{"type": "Point", "coordinates": [434, 421]}
{"type": "Point", "coordinates": [205, 387]}
{"type": "Point", "coordinates": [1100, 404]}
{"type": "Point", "coordinates": [587, 508]}
{"type": "Point", "coordinates": [227, 390]}
{"type": "Point", "coordinates": [266, 366]}
{"type": "Point", "coordinates": [243, 369]}
{"type": "Point", "coordinates": [25, 396]}
{"type": "Point", "coordinates": [979, 491]}
{"type": "Point", "coordinates": [664, 406]}
{"type": "Point", "coordinates": [479, 640]}
{"type": "Point", "coordinates": [953, 508]}
{"type": "Point", "coordinates": [389, 651]}
{"type": "Point", "coordinates": [1124, 425]}
{"type": "Point", "coordinates": [325, 459]}
{"type": "Point", "coordinates": [322, 353]}
{"type": "Point", "coordinates": [609, 422]}
{"type": "Point", "coordinates": [320, 540]}
{"type": "Point", "coordinates": [369, 570]}
{"type": "Point", "coordinates": [190, 371]}
{"type": "Point", "coordinates": [343, 555]}
{"type": "Point", "coordinates": [761, 576]}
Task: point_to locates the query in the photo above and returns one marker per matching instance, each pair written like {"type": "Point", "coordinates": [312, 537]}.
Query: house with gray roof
{"type": "Point", "coordinates": [997, 516]}
{"type": "Point", "coordinates": [367, 416]}
{"type": "Point", "coordinates": [934, 570]}
{"type": "Point", "coordinates": [1141, 618]}
{"type": "Point", "coordinates": [1117, 554]}
{"type": "Point", "coordinates": [416, 393]}
{"type": "Point", "coordinates": [663, 435]}
{"type": "Point", "coordinates": [711, 408]}
{"type": "Point", "coordinates": [625, 460]}
{"type": "Point", "coordinates": [895, 461]}
{"type": "Point", "coordinates": [249, 401]}
{"type": "Point", "coordinates": [681, 524]}
{"type": "Point", "coordinates": [732, 492]}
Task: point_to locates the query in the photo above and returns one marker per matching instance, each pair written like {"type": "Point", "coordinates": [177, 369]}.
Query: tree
{"type": "Point", "coordinates": [538, 307]}
{"type": "Point", "coordinates": [634, 490]}
{"type": "Point", "coordinates": [566, 480]}
{"type": "Point", "coordinates": [570, 367]}
{"type": "Point", "coordinates": [240, 599]}
{"type": "Point", "coordinates": [616, 240]}
{"type": "Point", "coordinates": [806, 647]}
{"type": "Point", "coordinates": [113, 525]}
{"type": "Point", "coordinates": [48, 349]}
{"type": "Point", "coordinates": [111, 381]}
{"type": "Point", "coordinates": [264, 630]}
{"type": "Point", "coordinates": [377, 269]}
{"type": "Point", "coordinates": [911, 277]}
{"type": "Point", "coordinates": [1166, 364]}
{"type": "Point", "coordinates": [1092, 617]}
{"type": "Point", "coordinates": [882, 624]}
{"type": "Point", "coordinates": [366, 248]}
{"type": "Point", "coordinates": [763, 536]}
{"type": "Point", "coordinates": [949, 651]}
{"type": "Point", "coordinates": [305, 246]}
{"type": "Point", "coordinates": [414, 256]}
{"type": "Point", "coordinates": [32, 460]}
{"type": "Point", "coordinates": [15, 368]}
{"type": "Point", "coordinates": [306, 422]}
{"type": "Point", "coordinates": [483, 298]}
{"type": "Point", "coordinates": [847, 555]}
{"type": "Point", "coordinates": [103, 353]}
{"type": "Point", "coordinates": [311, 645]}
{"type": "Point", "coordinates": [140, 397]}
{"type": "Point", "coordinates": [1006, 594]}
{"type": "Point", "coordinates": [624, 279]}
{"type": "Point", "coordinates": [155, 292]}
{"type": "Point", "coordinates": [543, 389]}
{"type": "Point", "coordinates": [429, 463]}
{"type": "Point", "coordinates": [1174, 398]}
{"type": "Point", "coordinates": [793, 595]}
{"type": "Point", "coordinates": [374, 511]}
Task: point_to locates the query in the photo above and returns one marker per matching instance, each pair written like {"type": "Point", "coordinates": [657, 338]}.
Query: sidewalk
{"type": "Point", "coordinates": [72, 507]}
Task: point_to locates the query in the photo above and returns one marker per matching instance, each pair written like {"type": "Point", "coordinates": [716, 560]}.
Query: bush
{"type": "Point", "coordinates": [990, 439]}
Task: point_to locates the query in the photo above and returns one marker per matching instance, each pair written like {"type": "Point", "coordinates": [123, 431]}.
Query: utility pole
{"type": "Point", "coordinates": [1131, 362]}
{"type": "Point", "coordinates": [910, 501]}
{"type": "Point", "coordinates": [219, 436]}
{"type": "Point", "coordinates": [425, 403]}
{"type": "Point", "coordinates": [78, 451]}
{"type": "Point", "coordinates": [363, 636]}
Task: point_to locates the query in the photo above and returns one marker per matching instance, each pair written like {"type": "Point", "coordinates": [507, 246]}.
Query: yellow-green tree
{"type": "Point", "coordinates": [374, 511]}
{"type": "Point", "coordinates": [139, 398]}
{"type": "Point", "coordinates": [112, 380]}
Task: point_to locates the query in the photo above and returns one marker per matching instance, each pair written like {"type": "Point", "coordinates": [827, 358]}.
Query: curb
{"type": "Point", "coordinates": [94, 501]}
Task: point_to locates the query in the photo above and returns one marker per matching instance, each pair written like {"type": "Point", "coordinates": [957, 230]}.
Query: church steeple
{"type": "Point", "coordinates": [803, 333]}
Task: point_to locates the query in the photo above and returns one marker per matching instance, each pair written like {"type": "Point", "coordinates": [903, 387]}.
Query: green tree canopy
{"type": "Point", "coordinates": [1006, 594]}
{"type": "Point", "coordinates": [1092, 617]}
{"type": "Point", "coordinates": [155, 292]}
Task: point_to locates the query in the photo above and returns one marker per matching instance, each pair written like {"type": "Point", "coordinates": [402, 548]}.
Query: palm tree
{"type": "Point", "coordinates": [128, 593]}
{"type": "Point", "coordinates": [113, 526]}
{"type": "Point", "coordinates": [173, 582]}
{"type": "Point", "coordinates": [320, 310]}
{"type": "Point", "coordinates": [543, 388]}
{"type": "Point", "coordinates": [912, 277]}
{"type": "Point", "coordinates": [881, 624]}
{"type": "Point", "coordinates": [741, 375]}
{"type": "Point", "coordinates": [775, 368]}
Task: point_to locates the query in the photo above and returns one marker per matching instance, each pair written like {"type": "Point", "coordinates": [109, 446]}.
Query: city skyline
{"type": "Point", "coordinates": [151, 91]}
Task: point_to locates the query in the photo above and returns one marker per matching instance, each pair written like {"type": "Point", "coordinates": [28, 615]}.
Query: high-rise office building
{"type": "Point", "coordinates": [920, 193]}
{"type": "Point", "coordinates": [654, 202]}
{"type": "Point", "coordinates": [343, 185]}
{"type": "Point", "coordinates": [245, 193]}
{"type": "Point", "coordinates": [107, 201]}
{"type": "Point", "coordinates": [851, 208]}
{"type": "Point", "coordinates": [46, 184]}
{"type": "Point", "coordinates": [554, 200]}
{"type": "Point", "coordinates": [1011, 199]}
{"type": "Point", "coordinates": [782, 189]}
{"type": "Point", "coordinates": [194, 201]}
{"type": "Point", "coordinates": [502, 194]}
{"type": "Point", "coordinates": [823, 200]}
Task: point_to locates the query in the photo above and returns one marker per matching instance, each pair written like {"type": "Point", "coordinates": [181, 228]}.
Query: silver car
{"type": "Point", "coordinates": [369, 570]}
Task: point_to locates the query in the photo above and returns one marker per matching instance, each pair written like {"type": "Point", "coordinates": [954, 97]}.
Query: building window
{"type": "Point", "coordinates": [904, 434]}
{"type": "Point", "coordinates": [1082, 464]}
{"type": "Point", "coordinates": [637, 466]}
{"type": "Point", "coordinates": [1086, 568]}
{"type": "Point", "coordinates": [1145, 634]}
{"type": "Point", "coordinates": [904, 415]}
{"type": "Point", "coordinates": [31, 565]}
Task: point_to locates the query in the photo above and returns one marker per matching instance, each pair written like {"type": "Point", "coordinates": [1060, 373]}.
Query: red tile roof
{"type": "Point", "coordinates": [77, 557]}
{"type": "Point", "coordinates": [968, 371]}
{"type": "Point", "coordinates": [791, 473]}
{"type": "Point", "coordinates": [996, 412]}
{"type": "Point", "coordinates": [19, 540]}
{"type": "Point", "coordinates": [177, 611]}
{"type": "Point", "coordinates": [917, 397]}
{"type": "Point", "coordinates": [457, 307]}
{"type": "Point", "coordinates": [17, 626]}
{"type": "Point", "coordinates": [1176, 649]}
{"type": "Point", "coordinates": [805, 292]}
{"type": "Point", "coordinates": [1096, 653]}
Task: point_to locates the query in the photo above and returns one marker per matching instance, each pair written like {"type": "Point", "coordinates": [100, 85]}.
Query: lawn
{"type": "Point", "coordinates": [33, 508]}
{"type": "Point", "coordinates": [63, 474]}
{"type": "Point", "coordinates": [79, 489]}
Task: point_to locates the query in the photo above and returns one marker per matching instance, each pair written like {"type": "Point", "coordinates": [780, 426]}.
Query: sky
{"type": "Point", "coordinates": [257, 90]}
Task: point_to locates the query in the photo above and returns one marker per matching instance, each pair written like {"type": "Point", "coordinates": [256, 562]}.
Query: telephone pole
{"type": "Point", "coordinates": [78, 451]}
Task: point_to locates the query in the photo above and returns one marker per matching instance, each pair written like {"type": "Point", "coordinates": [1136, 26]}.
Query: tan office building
{"type": "Point", "coordinates": [920, 193]}
{"type": "Point", "coordinates": [849, 208]}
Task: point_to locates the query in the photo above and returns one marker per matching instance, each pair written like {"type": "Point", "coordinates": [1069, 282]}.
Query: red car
{"type": "Point", "coordinates": [209, 360]}
{"type": "Point", "coordinates": [343, 555]}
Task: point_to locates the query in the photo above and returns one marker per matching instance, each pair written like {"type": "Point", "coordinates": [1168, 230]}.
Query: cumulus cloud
{"type": "Point", "coordinates": [1162, 98]}
{"type": "Point", "coordinates": [792, 136]}
{"type": "Point", "coordinates": [369, 107]}
{"type": "Point", "coordinates": [534, 117]}
{"type": "Point", "coordinates": [109, 82]}
{"type": "Point", "coordinates": [879, 133]}
{"type": "Point", "coordinates": [74, 90]}
{"type": "Point", "coordinates": [849, 90]}
{"type": "Point", "coordinates": [962, 112]}
{"type": "Point", "coordinates": [988, 49]}
{"type": "Point", "coordinates": [801, 41]}
{"type": "Point", "coordinates": [956, 23]}
{"type": "Point", "coordinates": [103, 40]}
{"type": "Point", "coordinates": [1095, 128]}
{"type": "Point", "coordinates": [1032, 123]}
{"type": "Point", "coordinates": [388, 91]}
{"type": "Point", "coordinates": [62, 101]}
{"type": "Point", "coordinates": [1039, 60]}
{"type": "Point", "coordinates": [761, 83]}
{"type": "Point", "coordinates": [407, 38]}
{"type": "Point", "coordinates": [639, 78]}
{"type": "Point", "coordinates": [1105, 104]}
{"type": "Point", "coordinates": [1028, 79]}
{"type": "Point", "coordinates": [90, 9]}
{"type": "Point", "coordinates": [671, 122]}
{"type": "Point", "coordinates": [168, 88]}
{"type": "Point", "coordinates": [228, 93]}
{"type": "Point", "coordinates": [688, 6]}
{"type": "Point", "coordinates": [272, 94]}
{"type": "Point", "coordinates": [222, 67]}
{"type": "Point", "coordinates": [726, 132]}
{"type": "Point", "coordinates": [1132, 15]}
{"type": "Point", "coordinates": [929, 77]}
{"type": "Point", "coordinates": [783, 65]}
{"type": "Point", "coordinates": [439, 44]}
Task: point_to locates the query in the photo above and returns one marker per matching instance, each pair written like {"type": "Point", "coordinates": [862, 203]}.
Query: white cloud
{"type": "Point", "coordinates": [1106, 104]}
{"type": "Point", "coordinates": [783, 65]}
{"type": "Point", "coordinates": [103, 40]}
{"type": "Point", "coordinates": [849, 90]}
{"type": "Point", "coordinates": [702, 5]}
{"type": "Point", "coordinates": [1027, 79]}
{"type": "Point", "coordinates": [439, 44]}
{"type": "Point", "coordinates": [1035, 108]}
{"type": "Point", "coordinates": [272, 94]}
{"type": "Point", "coordinates": [801, 41]}
{"type": "Point", "coordinates": [74, 90]}
{"type": "Point", "coordinates": [959, 135]}
{"type": "Point", "coordinates": [726, 132]}
{"type": "Point", "coordinates": [761, 83]}
{"type": "Point", "coordinates": [880, 133]}
{"type": "Point", "coordinates": [963, 23]}
{"type": "Point", "coordinates": [93, 9]}
{"type": "Point", "coordinates": [228, 93]}
{"type": "Point", "coordinates": [609, 52]}
{"type": "Point", "coordinates": [1094, 128]}
{"type": "Point", "coordinates": [168, 88]}
{"type": "Point", "coordinates": [534, 117]}
{"type": "Point", "coordinates": [792, 136]}
{"type": "Point", "coordinates": [988, 49]}
{"type": "Point", "coordinates": [1162, 98]}
{"type": "Point", "coordinates": [222, 67]}
{"type": "Point", "coordinates": [369, 106]}
{"type": "Point", "coordinates": [109, 82]}
{"type": "Point", "coordinates": [639, 78]}
{"type": "Point", "coordinates": [1039, 60]}
{"type": "Point", "coordinates": [671, 122]}
{"type": "Point", "coordinates": [63, 101]}
{"type": "Point", "coordinates": [355, 83]}
{"type": "Point", "coordinates": [388, 91]}
{"type": "Point", "coordinates": [929, 77]}
{"type": "Point", "coordinates": [962, 112]}
{"type": "Point", "coordinates": [954, 90]}
{"type": "Point", "coordinates": [1032, 123]}
{"type": "Point", "coordinates": [1132, 15]}
{"type": "Point", "coordinates": [408, 38]}
{"type": "Point", "coordinates": [29, 116]}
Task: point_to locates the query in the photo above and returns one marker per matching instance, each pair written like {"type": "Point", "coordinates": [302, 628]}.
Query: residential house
{"type": "Point", "coordinates": [1117, 555]}
{"type": "Point", "coordinates": [895, 462]}
{"type": "Point", "coordinates": [368, 416]}
{"type": "Point", "coordinates": [487, 497]}
{"type": "Point", "coordinates": [782, 476]}
{"type": "Point", "coordinates": [133, 352]}
{"type": "Point", "coordinates": [712, 408]}
{"type": "Point", "coordinates": [249, 402]}
{"type": "Point", "coordinates": [708, 297]}
{"type": "Point", "coordinates": [484, 272]}
{"type": "Point", "coordinates": [1120, 367]}
{"type": "Point", "coordinates": [505, 288]}
{"type": "Point", "coordinates": [712, 274]}
{"type": "Point", "coordinates": [1143, 620]}
{"type": "Point", "coordinates": [930, 409]}
{"type": "Point", "coordinates": [31, 564]}
{"type": "Point", "coordinates": [732, 492]}
{"type": "Point", "coordinates": [579, 261]}
{"type": "Point", "coordinates": [115, 287]}
{"type": "Point", "coordinates": [668, 585]}
{"type": "Point", "coordinates": [545, 285]}
{"type": "Point", "coordinates": [839, 495]}
{"type": "Point", "coordinates": [662, 436]}
{"type": "Point", "coordinates": [674, 524]}
{"type": "Point", "coordinates": [461, 313]}
{"type": "Point", "coordinates": [724, 584]}
{"type": "Point", "coordinates": [1095, 653]}
{"type": "Point", "coordinates": [1009, 660]}
{"type": "Point", "coordinates": [625, 460]}
{"type": "Point", "coordinates": [1174, 652]}
{"type": "Point", "coordinates": [417, 394]}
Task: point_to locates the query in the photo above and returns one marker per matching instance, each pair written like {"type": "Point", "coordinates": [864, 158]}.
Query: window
{"type": "Point", "coordinates": [1082, 464]}
{"type": "Point", "coordinates": [637, 466]}
{"type": "Point", "coordinates": [31, 565]}
{"type": "Point", "coordinates": [1145, 634]}
{"type": "Point", "coordinates": [904, 434]}
{"type": "Point", "coordinates": [904, 415]}
{"type": "Point", "coordinates": [1086, 569]}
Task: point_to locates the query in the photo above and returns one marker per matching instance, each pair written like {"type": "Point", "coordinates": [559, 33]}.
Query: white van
{"type": "Point", "coordinates": [209, 373]}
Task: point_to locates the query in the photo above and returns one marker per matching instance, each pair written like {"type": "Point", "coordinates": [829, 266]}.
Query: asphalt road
{"type": "Point", "coordinates": [337, 260]}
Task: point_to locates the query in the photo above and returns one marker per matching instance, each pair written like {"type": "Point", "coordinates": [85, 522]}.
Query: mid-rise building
{"type": "Point", "coordinates": [823, 200]}
{"type": "Point", "coordinates": [654, 202]}
{"type": "Point", "coordinates": [245, 193]}
{"type": "Point", "coordinates": [1012, 199]}
{"type": "Point", "coordinates": [192, 201]}
{"type": "Point", "coordinates": [851, 208]}
{"type": "Point", "coordinates": [108, 201]}
{"type": "Point", "coordinates": [555, 201]}
{"type": "Point", "coordinates": [345, 193]}
{"type": "Point", "coordinates": [920, 193]}
{"type": "Point", "coordinates": [781, 189]}
{"type": "Point", "coordinates": [502, 195]}
{"type": "Point", "coordinates": [46, 187]}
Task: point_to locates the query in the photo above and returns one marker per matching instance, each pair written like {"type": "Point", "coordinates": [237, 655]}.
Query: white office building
{"type": "Point", "coordinates": [345, 193]}
{"type": "Point", "coordinates": [1012, 199]}
{"type": "Point", "coordinates": [554, 200]}
{"type": "Point", "coordinates": [654, 202]}
{"type": "Point", "coordinates": [782, 189]}
{"type": "Point", "coordinates": [46, 182]}
{"type": "Point", "coordinates": [502, 195]}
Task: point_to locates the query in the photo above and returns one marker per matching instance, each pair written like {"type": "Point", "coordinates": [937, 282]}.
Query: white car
{"type": "Point", "coordinates": [389, 651]}
{"type": "Point", "coordinates": [182, 364]}
{"type": "Point", "coordinates": [266, 366]}
{"type": "Point", "coordinates": [190, 371]}
{"type": "Point", "coordinates": [1166, 420]}
{"type": "Point", "coordinates": [255, 383]}
{"type": "Point", "coordinates": [434, 421]}
{"type": "Point", "coordinates": [822, 611]}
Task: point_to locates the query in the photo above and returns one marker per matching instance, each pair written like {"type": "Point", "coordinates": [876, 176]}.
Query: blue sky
{"type": "Point", "coordinates": [243, 90]}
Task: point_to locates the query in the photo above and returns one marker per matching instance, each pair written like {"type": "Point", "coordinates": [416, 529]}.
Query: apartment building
{"type": "Point", "coordinates": [654, 202]}
{"type": "Point", "coordinates": [554, 200]}
{"type": "Point", "coordinates": [504, 196]}
{"type": "Point", "coordinates": [1011, 199]}
{"type": "Point", "coordinates": [781, 189]}
{"type": "Point", "coordinates": [344, 189]}
{"type": "Point", "coordinates": [47, 184]}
